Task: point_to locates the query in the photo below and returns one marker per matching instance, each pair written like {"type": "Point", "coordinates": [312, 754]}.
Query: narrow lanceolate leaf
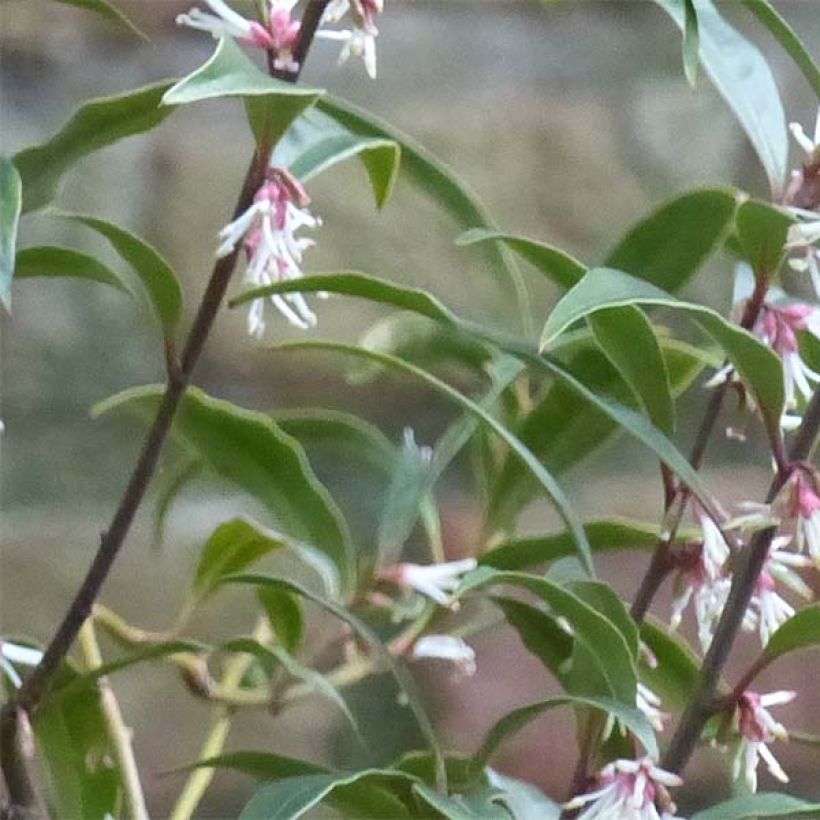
{"type": "Point", "coordinates": [107, 10]}
{"type": "Point", "coordinates": [248, 449]}
{"type": "Point", "coordinates": [234, 546]}
{"type": "Point", "coordinates": [761, 234]}
{"type": "Point", "coordinates": [691, 43]}
{"type": "Point", "coordinates": [802, 631]}
{"type": "Point", "coordinates": [284, 615]}
{"type": "Point", "coordinates": [437, 181]}
{"type": "Point", "coordinates": [603, 536]}
{"type": "Point", "coordinates": [157, 276]}
{"type": "Point", "coordinates": [630, 717]}
{"type": "Point", "coordinates": [741, 74]}
{"type": "Point", "coordinates": [11, 203]}
{"type": "Point", "coordinates": [554, 491]}
{"type": "Point", "coordinates": [757, 365]}
{"type": "Point", "coordinates": [524, 801]}
{"type": "Point", "coordinates": [667, 247]}
{"type": "Point", "coordinates": [761, 805]}
{"type": "Point", "coordinates": [403, 679]}
{"type": "Point", "coordinates": [768, 15]}
{"type": "Point", "coordinates": [53, 262]}
{"type": "Point", "coordinates": [94, 126]}
{"type": "Point", "coordinates": [674, 673]}
{"type": "Point", "coordinates": [272, 104]}
{"type": "Point", "coordinates": [380, 157]}
{"type": "Point", "coordinates": [608, 646]}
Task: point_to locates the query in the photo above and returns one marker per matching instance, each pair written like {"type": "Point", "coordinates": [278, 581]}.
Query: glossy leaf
{"type": "Point", "coordinates": [11, 203]}
{"type": "Point", "coordinates": [603, 599]}
{"type": "Point", "coordinates": [760, 805]}
{"type": "Point", "coordinates": [53, 262]}
{"type": "Point", "coordinates": [606, 287]}
{"type": "Point", "coordinates": [75, 753]}
{"type": "Point", "coordinates": [801, 631]}
{"type": "Point", "coordinates": [555, 493]}
{"type": "Point", "coordinates": [93, 126]}
{"type": "Point", "coordinates": [667, 247]}
{"type": "Point", "coordinates": [512, 723]}
{"type": "Point", "coordinates": [158, 277]}
{"type": "Point", "coordinates": [404, 680]}
{"type": "Point", "coordinates": [232, 547]}
{"type": "Point", "coordinates": [691, 42]}
{"type": "Point", "coordinates": [284, 615]}
{"type": "Point", "coordinates": [229, 72]}
{"type": "Point", "coordinates": [107, 10]}
{"type": "Point", "coordinates": [743, 77]}
{"type": "Point", "coordinates": [608, 645]}
{"type": "Point", "coordinates": [380, 157]}
{"type": "Point", "coordinates": [248, 449]}
{"type": "Point", "coordinates": [768, 15]}
{"type": "Point", "coordinates": [761, 233]}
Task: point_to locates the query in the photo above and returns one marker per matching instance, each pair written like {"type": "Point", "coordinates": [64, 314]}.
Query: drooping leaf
{"type": "Point", "coordinates": [93, 126]}
{"type": "Point", "coordinates": [601, 636]}
{"type": "Point", "coordinates": [404, 680]}
{"type": "Point", "coordinates": [523, 800]}
{"type": "Point", "coordinates": [801, 631]}
{"type": "Point", "coordinates": [232, 547]}
{"type": "Point", "coordinates": [606, 287]}
{"type": "Point", "coordinates": [107, 10]}
{"type": "Point", "coordinates": [743, 77]}
{"type": "Point", "coordinates": [760, 805]}
{"type": "Point", "coordinates": [667, 247]}
{"type": "Point", "coordinates": [761, 233]}
{"type": "Point", "coordinates": [768, 15]}
{"type": "Point", "coordinates": [158, 277]}
{"type": "Point", "coordinates": [272, 104]}
{"type": "Point", "coordinates": [11, 203]}
{"type": "Point", "coordinates": [284, 615]}
{"type": "Point", "coordinates": [75, 752]}
{"type": "Point", "coordinates": [630, 717]}
{"type": "Point", "coordinates": [248, 449]}
{"type": "Point", "coordinates": [380, 157]}
{"type": "Point", "coordinates": [53, 262]}
{"type": "Point", "coordinates": [691, 43]}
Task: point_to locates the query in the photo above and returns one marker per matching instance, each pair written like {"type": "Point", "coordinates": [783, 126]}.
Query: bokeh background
{"type": "Point", "coordinates": [569, 120]}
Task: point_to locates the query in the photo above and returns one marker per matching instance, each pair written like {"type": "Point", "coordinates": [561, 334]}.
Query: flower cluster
{"type": "Point", "coordinates": [267, 231]}
{"type": "Point", "coordinates": [360, 40]}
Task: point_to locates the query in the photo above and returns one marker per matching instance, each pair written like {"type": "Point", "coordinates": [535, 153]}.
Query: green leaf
{"type": "Point", "coordinates": [107, 10]}
{"type": "Point", "coordinates": [801, 631]}
{"type": "Point", "coordinates": [232, 547]}
{"type": "Point", "coordinates": [763, 804]}
{"type": "Point", "coordinates": [94, 126]}
{"type": "Point", "coordinates": [556, 265]}
{"type": "Point", "coordinates": [380, 157]}
{"type": "Point", "coordinates": [313, 679]}
{"type": "Point", "coordinates": [667, 247]}
{"type": "Point", "coordinates": [743, 77]}
{"type": "Point", "coordinates": [262, 765]}
{"type": "Point", "coordinates": [761, 232]}
{"type": "Point", "coordinates": [248, 449]}
{"type": "Point", "coordinates": [167, 487]}
{"type": "Point", "coordinates": [603, 599]}
{"type": "Point", "coordinates": [600, 635]}
{"type": "Point", "coordinates": [555, 493]}
{"type": "Point", "coordinates": [675, 675]}
{"type": "Point", "coordinates": [437, 181]}
{"type": "Point", "coordinates": [292, 797]}
{"type": "Point", "coordinates": [787, 37]}
{"type": "Point", "coordinates": [512, 723]}
{"type": "Point", "coordinates": [605, 287]}
{"type": "Point", "coordinates": [75, 753]}
{"type": "Point", "coordinates": [691, 43]}
{"type": "Point", "coordinates": [273, 104]}
{"type": "Point", "coordinates": [524, 801]}
{"type": "Point", "coordinates": [402, 678]}
{"type": "Point", "coordinates": [149, 653]}
{"type": "Point", "coordinates": [155, 273]}
{"type": "Point", "coordinates": [603, 536]}
{"type": "Point", "coordinates": [458, 806]}
{"type": "Point", "coordinates": [284, 615]}
{"type": "Point", "coordinates": [53, 262]}
{"type": "Point", "coordinates": [11, 203]}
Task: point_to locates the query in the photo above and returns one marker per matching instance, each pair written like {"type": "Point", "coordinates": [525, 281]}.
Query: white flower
{"type": "Point", "coordinates": [13, 653]}
{"type": "Point", "coordinates": [447, 648]}
{"type": "Point", "coordinates": [797, 506]}
{"type": "Point", "coordinates": [649, 703]}
{"type": "Point", "coordinates": [357, 43]}
{"type": "Point", "coordinates": [433, 580]}
{"type": "Point", "coordinates": [809, 145]}
{"type": "Point", "coordinates": [629, 790]}
{"type": "Point", "coordinates": [274, 252]}
{"type": "Point", "coordinates": [757, 728]}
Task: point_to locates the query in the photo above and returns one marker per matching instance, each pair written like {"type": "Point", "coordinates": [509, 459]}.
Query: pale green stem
{"type": "Point", "coordinates": [118, 733]}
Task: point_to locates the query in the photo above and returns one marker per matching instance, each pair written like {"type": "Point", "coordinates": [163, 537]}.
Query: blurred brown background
{"type": "Point", "coordinates": [569, 120]}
